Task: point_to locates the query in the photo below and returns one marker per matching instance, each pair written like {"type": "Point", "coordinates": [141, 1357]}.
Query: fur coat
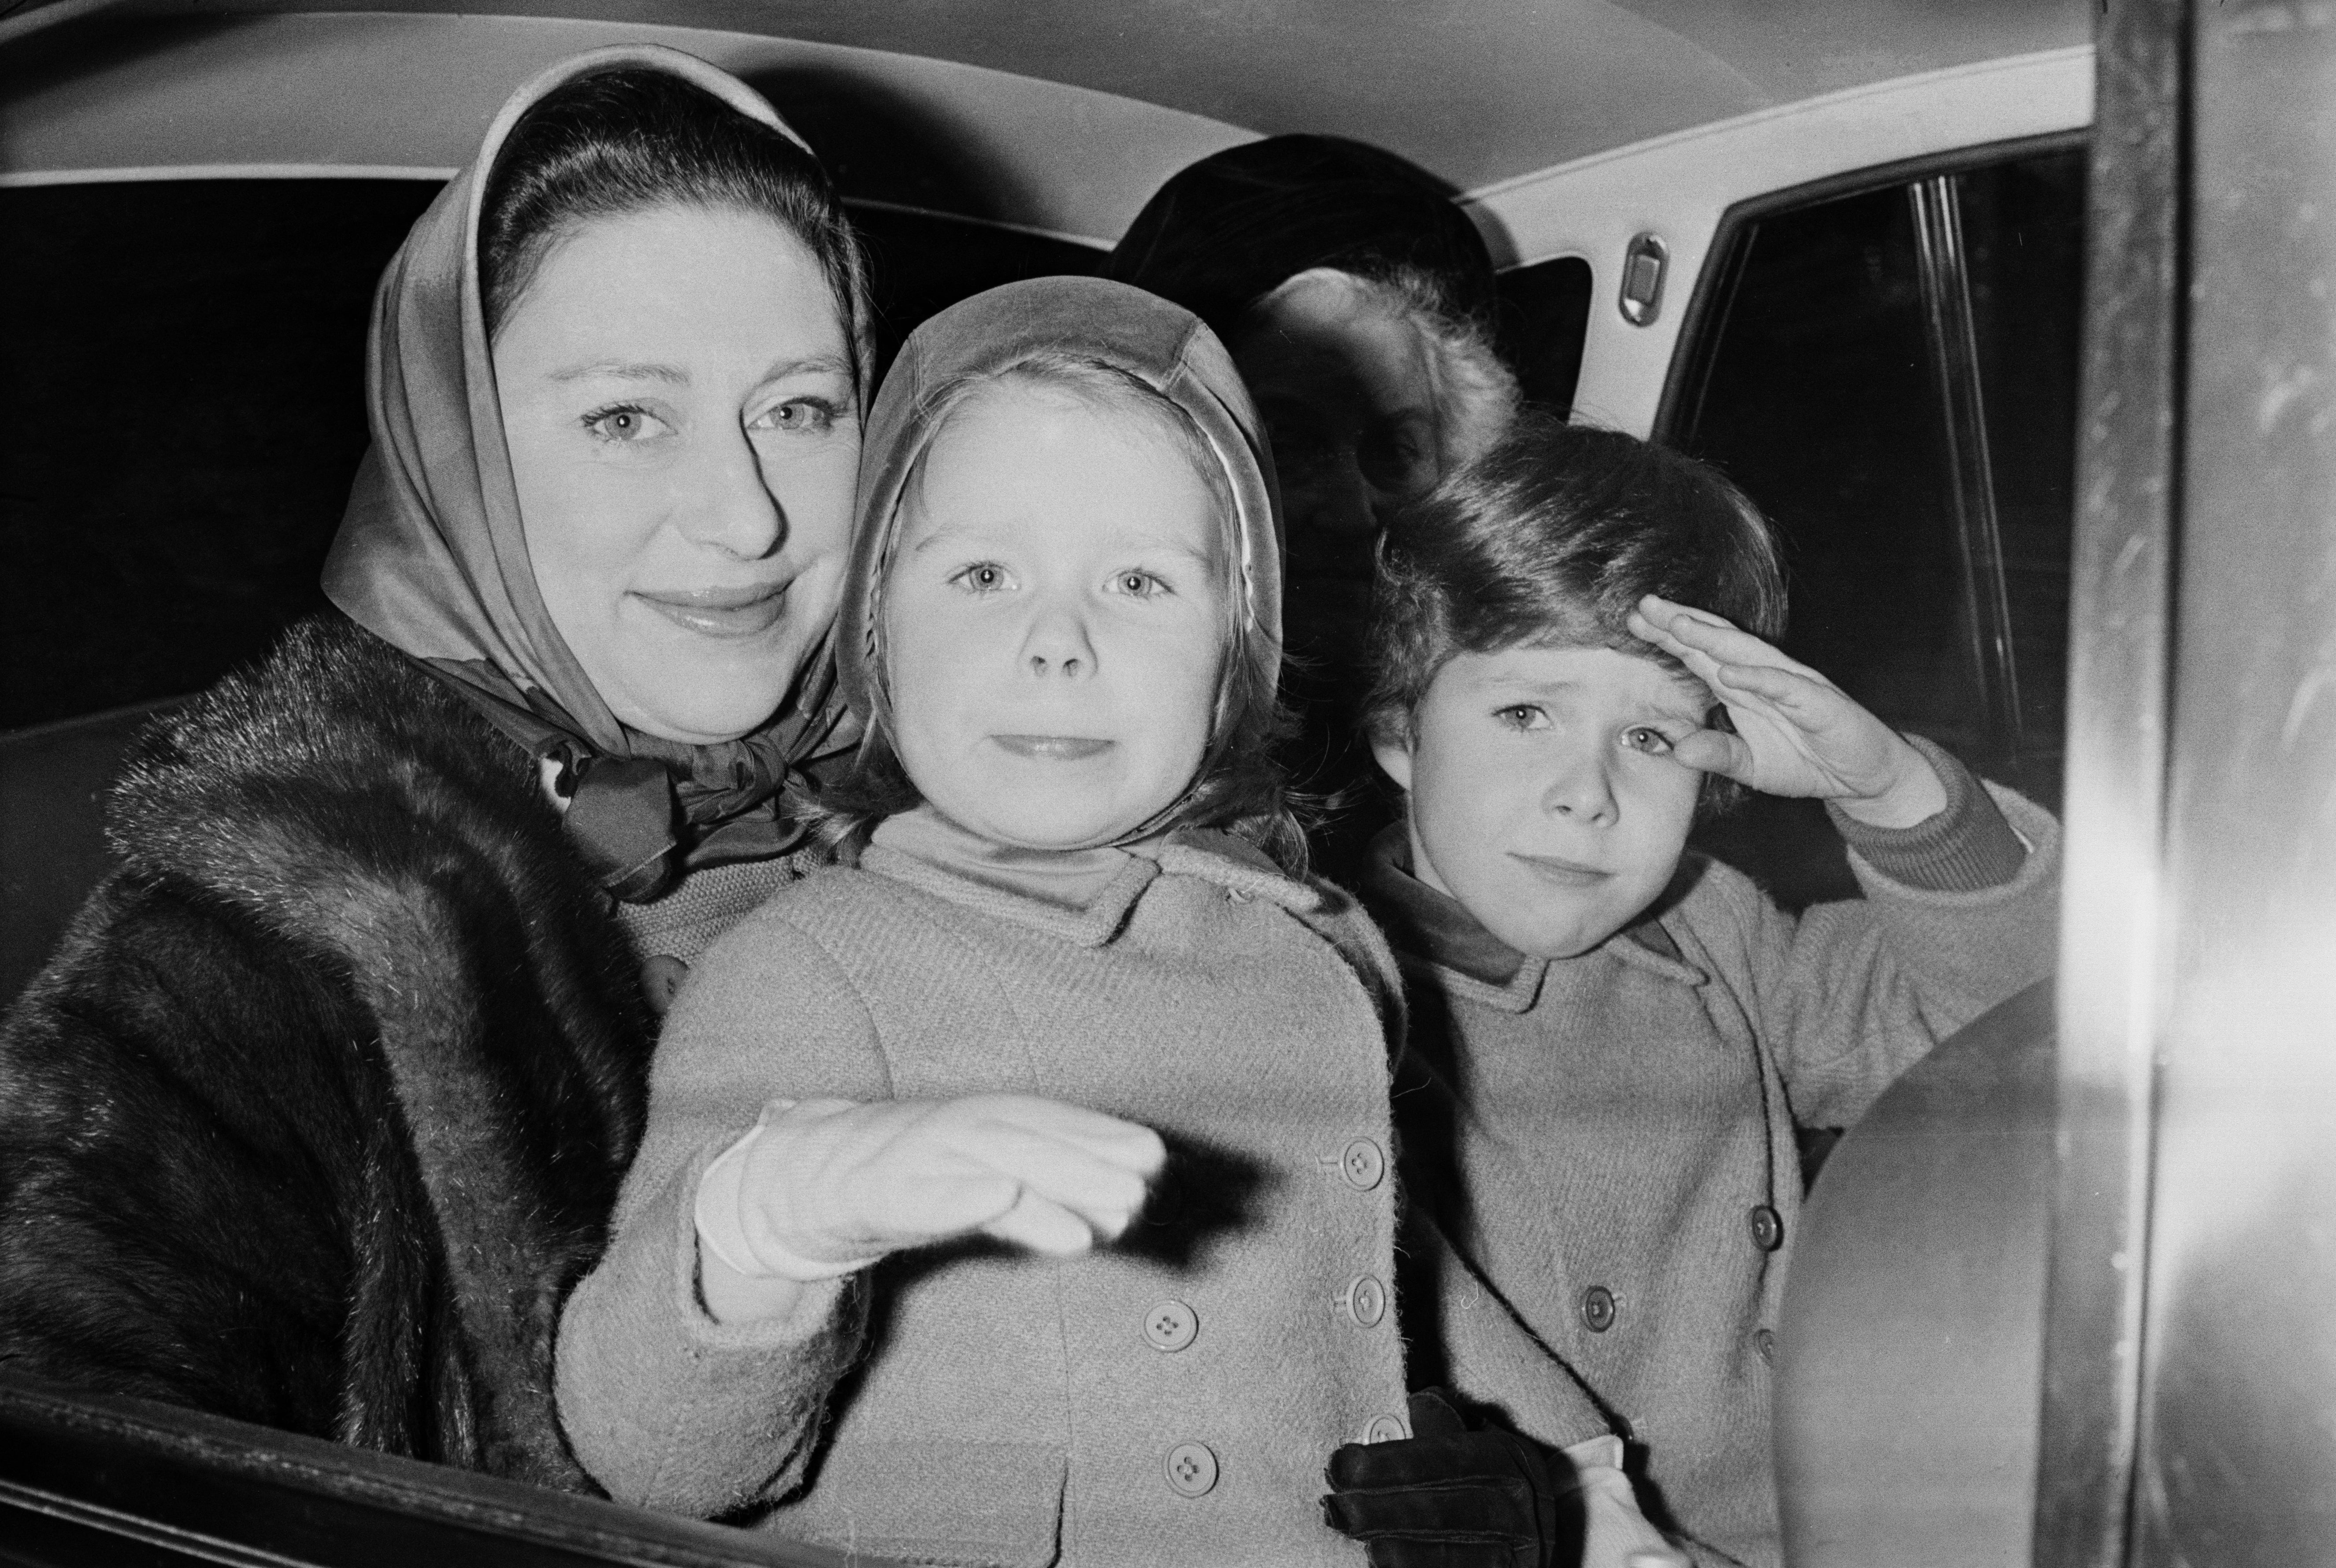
{"type": "Point", "coordinates": [322, 1102]}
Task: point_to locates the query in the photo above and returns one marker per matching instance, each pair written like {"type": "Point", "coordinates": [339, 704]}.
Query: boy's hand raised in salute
{"type": "Point", "coordinates": [1795, 732]}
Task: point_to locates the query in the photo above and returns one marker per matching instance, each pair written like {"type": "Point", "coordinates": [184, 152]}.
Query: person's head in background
{"type": "Point", "coordinates": [1359, 303]}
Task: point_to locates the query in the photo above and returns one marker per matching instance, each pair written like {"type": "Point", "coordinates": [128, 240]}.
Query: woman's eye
{"type": "Point", "coordinates": [1139, 585]}
{"type": "Point", "coordinates": [624, 422]}
{"type": "Point", "coordinates": [1648, 738]}
{"type": "Point", "coordinates": [1523, 716]}
{"type": "Point", "coordinates": [798, 414]}
{"type": "Point", "coordinates": [983, 577]}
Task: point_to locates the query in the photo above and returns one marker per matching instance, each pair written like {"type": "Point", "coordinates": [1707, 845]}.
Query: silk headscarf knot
{"type": "Point", "coordinates": [432, 558]}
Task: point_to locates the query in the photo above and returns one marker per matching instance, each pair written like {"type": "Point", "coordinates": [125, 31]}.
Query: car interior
{"type": "Point", "coordinates": [1839, 251]}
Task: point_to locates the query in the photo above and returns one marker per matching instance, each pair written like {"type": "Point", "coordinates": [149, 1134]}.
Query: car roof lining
{"type": "Point", "coordinates": [1060, 122]}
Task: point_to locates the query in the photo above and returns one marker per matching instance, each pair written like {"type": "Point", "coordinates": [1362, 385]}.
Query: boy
{"type": "Point", "coordinates": [1613, 1039]}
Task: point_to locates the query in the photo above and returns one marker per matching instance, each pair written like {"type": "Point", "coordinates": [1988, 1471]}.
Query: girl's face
{"type": "Point", "coordinates": [678, 401]}
{"type": "Point", "coordinates": [1054, 619]}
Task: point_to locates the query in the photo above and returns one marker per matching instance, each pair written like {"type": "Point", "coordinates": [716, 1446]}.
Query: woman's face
{"type": "Point", "coordinates": [1348, 393]}
{"type": "Point", "coordinates": [678, 403]}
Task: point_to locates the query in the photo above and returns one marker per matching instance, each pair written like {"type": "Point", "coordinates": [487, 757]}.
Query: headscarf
{"type": "Point", "coordinates": [1161, 344]}
{"type": "Point", "coordinates": [1224, 232]}
{"type": "Point", "coordinates": [431, 556]}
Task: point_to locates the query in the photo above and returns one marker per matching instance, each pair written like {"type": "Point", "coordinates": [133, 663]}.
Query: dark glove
{"type": "Point", "coordinates": [1448, 1497]}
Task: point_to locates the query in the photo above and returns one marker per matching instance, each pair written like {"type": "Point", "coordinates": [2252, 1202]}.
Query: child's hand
{"type": "Point", "coordinates": [1797, 732]}
{"type": "Point", "coordinates": [835, 1185]}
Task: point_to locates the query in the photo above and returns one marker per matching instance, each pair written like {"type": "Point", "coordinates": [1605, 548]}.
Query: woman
{"type": "Point", "coordinates": [324, 1101]}
{"type": "Point", "coordinates": [1359, 303]}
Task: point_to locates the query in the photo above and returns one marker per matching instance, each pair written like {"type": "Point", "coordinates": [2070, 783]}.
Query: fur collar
{"type": "Point", "coordinates": [397, 849]}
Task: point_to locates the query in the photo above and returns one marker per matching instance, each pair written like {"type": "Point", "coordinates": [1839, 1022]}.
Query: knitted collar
{"type": "Point", "coordinates": [1433, 926]}
{"type": "Point", "coordinates": [1082, 895]}
{"type": "Point", "coordinates": [1067, 879]}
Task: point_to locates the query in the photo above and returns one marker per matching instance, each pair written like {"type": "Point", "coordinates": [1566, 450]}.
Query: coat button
{"type": "Point", "coordinates": [1169, 1326]}
{"type": "Point", "coordinates": [1598, 1309]}
{"type": "Point", "coordinates": [661, 979]}
{"type": "Point", "coordinates": [1764, 1341]}
{"type": "Point", "coordinates": [1385, 1429]}
{"type": "Point", "coordinates": [1192, 1470]}
{"type": "Point", "coordinates": [1362, 1164]}
{"type": "Point", "coordinates": [1365, 1301]}
{"type": "Point", "coordinates": [1767, 1228]}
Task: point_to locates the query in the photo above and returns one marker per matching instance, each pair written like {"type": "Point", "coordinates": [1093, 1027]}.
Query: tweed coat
{"type": "Point", "coordinates": [1608, 1140]}
{"type": "Point", "coordinates": [324, 1101]}
{"type": "Point", "coordinates": [1014, 1409]}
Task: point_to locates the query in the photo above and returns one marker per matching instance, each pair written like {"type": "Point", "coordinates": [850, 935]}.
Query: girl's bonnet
{"type": "Point", "coordinates": [1163, 345]}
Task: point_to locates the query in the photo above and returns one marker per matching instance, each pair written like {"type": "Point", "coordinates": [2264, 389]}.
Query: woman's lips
{"type": "Point", "coordinates": [745, 611]}
{"type": "Point", "coordinates": [1562, 871]}
{"type": "Point", "coordinates": [1053, 748]}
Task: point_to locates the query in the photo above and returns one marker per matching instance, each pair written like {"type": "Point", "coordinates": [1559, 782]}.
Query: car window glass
{"type": "Point", "coordinates": [2025, 241]}
{"type": "Point", "coordinates": [1821, 381]}
{"type": "Point", "coordinates": [1544, 313]}
{"type": "Point", "coordinates": [185, 407]}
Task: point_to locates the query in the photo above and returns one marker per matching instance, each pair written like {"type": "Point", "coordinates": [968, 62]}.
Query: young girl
{"type": "Point", "coordinates": [1615, 1039]}
{"type": "Point", "coordinates": [1066, 970]}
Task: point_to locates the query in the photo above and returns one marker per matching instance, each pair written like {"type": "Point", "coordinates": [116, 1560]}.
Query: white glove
{"type": "Point", "coordinates": [823, 1187]}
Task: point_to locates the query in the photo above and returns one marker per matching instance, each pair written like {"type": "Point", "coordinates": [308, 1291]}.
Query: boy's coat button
{"type": "Point", "coordinates": [1192, 1470]}
{"type": "Point", "coordinates": [1362, 1164]}
{"type": "Point", "coordinates": [1171, 1326]}
{"type": "Point", "coordinates": [1385, 1429]}
{"type": "Point", "coordinates": [1598, 1309]}
{"type": "Point", "coordinates": [1365, 1300]}
{"type": "Point", "coordinates": [1767, 1228]}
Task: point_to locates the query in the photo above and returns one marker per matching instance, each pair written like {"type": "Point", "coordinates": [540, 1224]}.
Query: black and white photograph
{"type": "Point", "coordinates": [1168, 783]}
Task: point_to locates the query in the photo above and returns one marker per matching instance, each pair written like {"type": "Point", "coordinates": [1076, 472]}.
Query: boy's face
{"type": "Point", "coordinates": [1543, 794]}
{"type": "Point", "coordinates": [1054, 620]}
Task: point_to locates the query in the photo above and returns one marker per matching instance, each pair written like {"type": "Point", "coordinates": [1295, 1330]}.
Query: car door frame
{"type": "Point", "coordinates": [1954, 364]}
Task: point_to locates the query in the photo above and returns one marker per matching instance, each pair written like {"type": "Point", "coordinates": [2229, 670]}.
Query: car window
{"type": "Point", "coordinates": [1890, 373]}
{"type": "Point", "coordinates": [1544, 315]}
{"type": "Point", "coordinates": [2024, 234]}
{"type": "Point", "coordinates": [184, 411]}
{"type": "Point", "coordinates": [185, 408]}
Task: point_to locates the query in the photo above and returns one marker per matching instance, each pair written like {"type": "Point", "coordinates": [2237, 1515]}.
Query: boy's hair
{"type": "Point", "coordinates": [1241, 788]}
{"type": "Point", "coordinates": [1550, 540]}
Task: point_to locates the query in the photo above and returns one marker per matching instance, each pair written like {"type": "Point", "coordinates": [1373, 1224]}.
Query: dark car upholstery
{"type": "Point", "coordinates": [53, 781]}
